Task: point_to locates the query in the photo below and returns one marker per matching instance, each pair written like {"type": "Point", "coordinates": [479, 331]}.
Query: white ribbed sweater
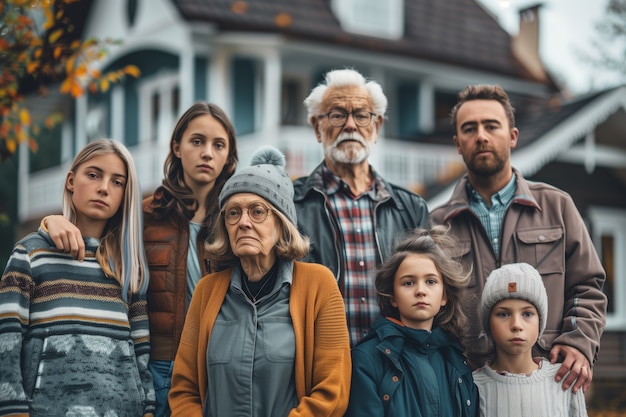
{"type": "Point", "coordinates": [534, 395]}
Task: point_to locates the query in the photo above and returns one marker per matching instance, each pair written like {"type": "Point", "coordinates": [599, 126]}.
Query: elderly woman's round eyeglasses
{"type": "Point", "coordinates": [257, 213]}
{"type": "Point", "coordinates": [339, 117]}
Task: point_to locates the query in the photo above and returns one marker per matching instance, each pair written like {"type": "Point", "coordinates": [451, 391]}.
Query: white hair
{"type": "Point", "coordinates": [343, 78]}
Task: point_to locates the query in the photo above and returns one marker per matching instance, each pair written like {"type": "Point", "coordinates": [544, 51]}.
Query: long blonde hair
{"type": "Point", "coordinates": [121, 252]}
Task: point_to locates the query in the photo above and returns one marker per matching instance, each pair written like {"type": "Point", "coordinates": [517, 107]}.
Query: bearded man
{"type": "Point", "coordinates": [352, 215]}
{"type": "Point", "coordinates": [500, 218]}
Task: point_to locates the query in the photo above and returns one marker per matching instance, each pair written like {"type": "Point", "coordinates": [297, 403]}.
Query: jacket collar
{"type": "Point", "coordinates": [459, 201]}
{"type": "Point", "coordinates": [315, 181]}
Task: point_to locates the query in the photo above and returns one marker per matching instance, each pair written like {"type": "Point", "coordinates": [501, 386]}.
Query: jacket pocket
{"type": "Point", "coordinates": [159, 257]}
{"type": "Point", "coordinates": [543, 249]}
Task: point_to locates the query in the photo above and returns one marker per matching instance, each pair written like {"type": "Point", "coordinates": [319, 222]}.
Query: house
{"type": "Point", "coordinates": [258, 59]}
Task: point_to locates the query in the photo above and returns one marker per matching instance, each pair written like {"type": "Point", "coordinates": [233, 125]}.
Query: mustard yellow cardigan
{"type": "Point", "coordinates": [322, 365]}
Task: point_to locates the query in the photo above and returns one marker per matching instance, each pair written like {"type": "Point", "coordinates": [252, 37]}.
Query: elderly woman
{"type": "Point", "coordinates": [267, 337]}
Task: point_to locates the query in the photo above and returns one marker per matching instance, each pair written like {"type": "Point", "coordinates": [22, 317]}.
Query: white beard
{"type": "Point", "coordinates": [352, 153]}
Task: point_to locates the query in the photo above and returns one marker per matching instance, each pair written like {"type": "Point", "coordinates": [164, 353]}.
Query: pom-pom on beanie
{"type": "Point", "coordinates": [265, 177]}
{"type": "Point", "coordinates": [520, 281]}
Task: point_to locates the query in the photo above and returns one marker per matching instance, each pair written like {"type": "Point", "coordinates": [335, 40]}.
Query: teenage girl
{"type": "Point", "coordinates": [178, 219]}
{"type": "Point", "coordinates": [74, 335]}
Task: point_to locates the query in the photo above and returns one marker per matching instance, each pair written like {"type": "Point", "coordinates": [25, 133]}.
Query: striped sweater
{"type": "Point", "coordinates": [69, 344]}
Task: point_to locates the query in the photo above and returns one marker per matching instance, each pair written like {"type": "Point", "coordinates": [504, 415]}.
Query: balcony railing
{"type": "Point", "coordinates": [407, 164]}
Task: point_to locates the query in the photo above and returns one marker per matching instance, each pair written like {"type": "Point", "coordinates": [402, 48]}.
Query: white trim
{"type": "Point", "coordinates": [603, 156]}
{"type": "Point", "coordinates": [117, 113]}
{"type": "Point", "coordinates": [608, 221]}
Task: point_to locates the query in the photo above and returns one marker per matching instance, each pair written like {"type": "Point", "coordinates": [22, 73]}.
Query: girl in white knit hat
{"type": "Point", "coordinates": [514, 307]}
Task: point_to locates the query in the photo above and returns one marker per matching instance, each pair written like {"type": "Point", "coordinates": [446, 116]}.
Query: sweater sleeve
{"type": "Point", "coordinates": [184, 396]}
{"type": "Point", "coordinates": [138, 317]}
{"type": "Point", "coordinates": [15, 288]}
{"type": "Point", "coordinates": [329, 386]}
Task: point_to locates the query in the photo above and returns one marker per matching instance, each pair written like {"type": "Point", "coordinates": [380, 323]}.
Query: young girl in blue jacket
{"type": "Point", "coordinates": [411, 363]}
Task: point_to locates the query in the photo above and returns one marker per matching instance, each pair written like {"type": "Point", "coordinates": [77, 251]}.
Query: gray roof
{"type": "Point", "coordinates": [456, 32]}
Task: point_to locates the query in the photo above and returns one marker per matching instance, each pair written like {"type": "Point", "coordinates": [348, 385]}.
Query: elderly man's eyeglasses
{"type": "Point", "coordinates": [257, 213]}
{"type": "Point", "coordinates": [339, 117]}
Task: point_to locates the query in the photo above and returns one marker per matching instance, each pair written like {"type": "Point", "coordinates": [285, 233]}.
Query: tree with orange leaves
{"type": "Point", "coordinates": [38, 55]}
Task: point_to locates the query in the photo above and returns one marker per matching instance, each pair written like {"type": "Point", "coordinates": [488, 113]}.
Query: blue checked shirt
{"type": "Point", "coordinates": [491, 218]}
{"type": "Point", "coordinates": [355, 219]}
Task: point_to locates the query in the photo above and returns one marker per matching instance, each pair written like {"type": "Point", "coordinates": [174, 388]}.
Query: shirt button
{"type": "Point", "coordinates": [361, 263]}
{"type": "Point", "coordinates": [358, 230]}
{"type": "Point", "coordinates": [362, 299]}
{"type": "Point", "coordinates": [542, 238]}
{"type": "Point", "coordinates": [386, 397]}
{"type": "Point", "coordinates": [460, 380]}
{"type": "Point", "coordinates": [395, 378]}
{"type": "Point", "coordinates": [387, 351]}
{"type": "Point", "coordinates": [468, 403]}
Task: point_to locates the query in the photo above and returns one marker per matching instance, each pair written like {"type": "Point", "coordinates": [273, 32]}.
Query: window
{"type": "Point", "coordinates": [609, 236]}
{"type": "Point", "coordinates": [293, 93]}
{"type": "Point", "coordinates": [407, 110]}
{"type": "Point", "coordinates": [244, 95]}
{"type": "Point", "coordinates": [159, 99]}
{"type": "Point", "coordinates": [384, 19]}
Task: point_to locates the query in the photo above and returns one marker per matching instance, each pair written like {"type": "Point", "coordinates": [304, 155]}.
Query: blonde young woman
{"type": "Point", "coordinates": [74, 335]}
{"type": "Point", "coordinates": [178, 219]}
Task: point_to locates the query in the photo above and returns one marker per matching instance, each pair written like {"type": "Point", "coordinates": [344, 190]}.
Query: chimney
{"type": "Point", "coordinates": [525, 46]}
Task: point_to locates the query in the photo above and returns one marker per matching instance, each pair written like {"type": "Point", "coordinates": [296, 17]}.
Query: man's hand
{"type": "Point", "coordinates": [575, 365]}
{"type": "Point", "coordinates": [65, 235]}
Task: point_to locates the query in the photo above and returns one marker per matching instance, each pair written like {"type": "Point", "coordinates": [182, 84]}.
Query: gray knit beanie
{"type": "Point", "coordinates": [520, 281]}
{"type": "Point", "coordinates": [266, 177]}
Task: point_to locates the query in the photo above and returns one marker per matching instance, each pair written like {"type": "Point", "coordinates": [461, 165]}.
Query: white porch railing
{"type": "Point", "coordinates": [407, 164]}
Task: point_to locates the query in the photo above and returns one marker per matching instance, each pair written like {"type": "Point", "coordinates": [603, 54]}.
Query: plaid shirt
{"type": "Point", "coordinates": [491, 218]}
{"type": "Point", "coordinates": [355, 217]}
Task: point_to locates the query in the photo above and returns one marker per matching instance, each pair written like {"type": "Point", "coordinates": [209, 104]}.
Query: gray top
{"type": "Point", "coordinates": [251, 354]}
{"type": "Point", "coordinates": [193, 264]}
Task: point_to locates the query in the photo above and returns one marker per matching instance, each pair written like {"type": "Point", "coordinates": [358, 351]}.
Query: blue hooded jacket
{"type": "Point", "coordinates": [400, 371]}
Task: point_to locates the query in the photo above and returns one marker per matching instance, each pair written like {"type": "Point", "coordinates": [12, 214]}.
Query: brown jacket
{"type": "Point", "coordinates": [542, 227]}
{"type": "Point", "coordinates": [166, 242]}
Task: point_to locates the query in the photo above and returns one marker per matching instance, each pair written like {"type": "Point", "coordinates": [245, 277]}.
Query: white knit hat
{"type": "Point", "coordinates": [520, 281]}
{"type": "Point", "coordinates": [265, 177]}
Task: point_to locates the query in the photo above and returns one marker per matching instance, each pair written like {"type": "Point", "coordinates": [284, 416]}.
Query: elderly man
{"type": "Point", "coordinates": [350, 212]}
{"type": "Point", "coordinates": [500, 218]}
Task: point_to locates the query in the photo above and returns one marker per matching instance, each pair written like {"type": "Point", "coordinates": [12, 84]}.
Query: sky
{"type": "Point", "coordinates": [567, 28]}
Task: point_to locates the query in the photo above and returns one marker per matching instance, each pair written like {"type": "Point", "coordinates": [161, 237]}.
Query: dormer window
{"type": "Point", "coordinates": [383, 19]}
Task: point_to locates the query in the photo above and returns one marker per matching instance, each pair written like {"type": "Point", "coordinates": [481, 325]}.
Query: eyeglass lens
{"type": "Point", "coordinates": [256, 212]}
{"type": "Point", "coordinates": [362, 118]}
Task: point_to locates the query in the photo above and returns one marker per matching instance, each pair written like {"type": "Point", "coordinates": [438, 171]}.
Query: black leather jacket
{"type": "Point", "coordinates": [400, 211]}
